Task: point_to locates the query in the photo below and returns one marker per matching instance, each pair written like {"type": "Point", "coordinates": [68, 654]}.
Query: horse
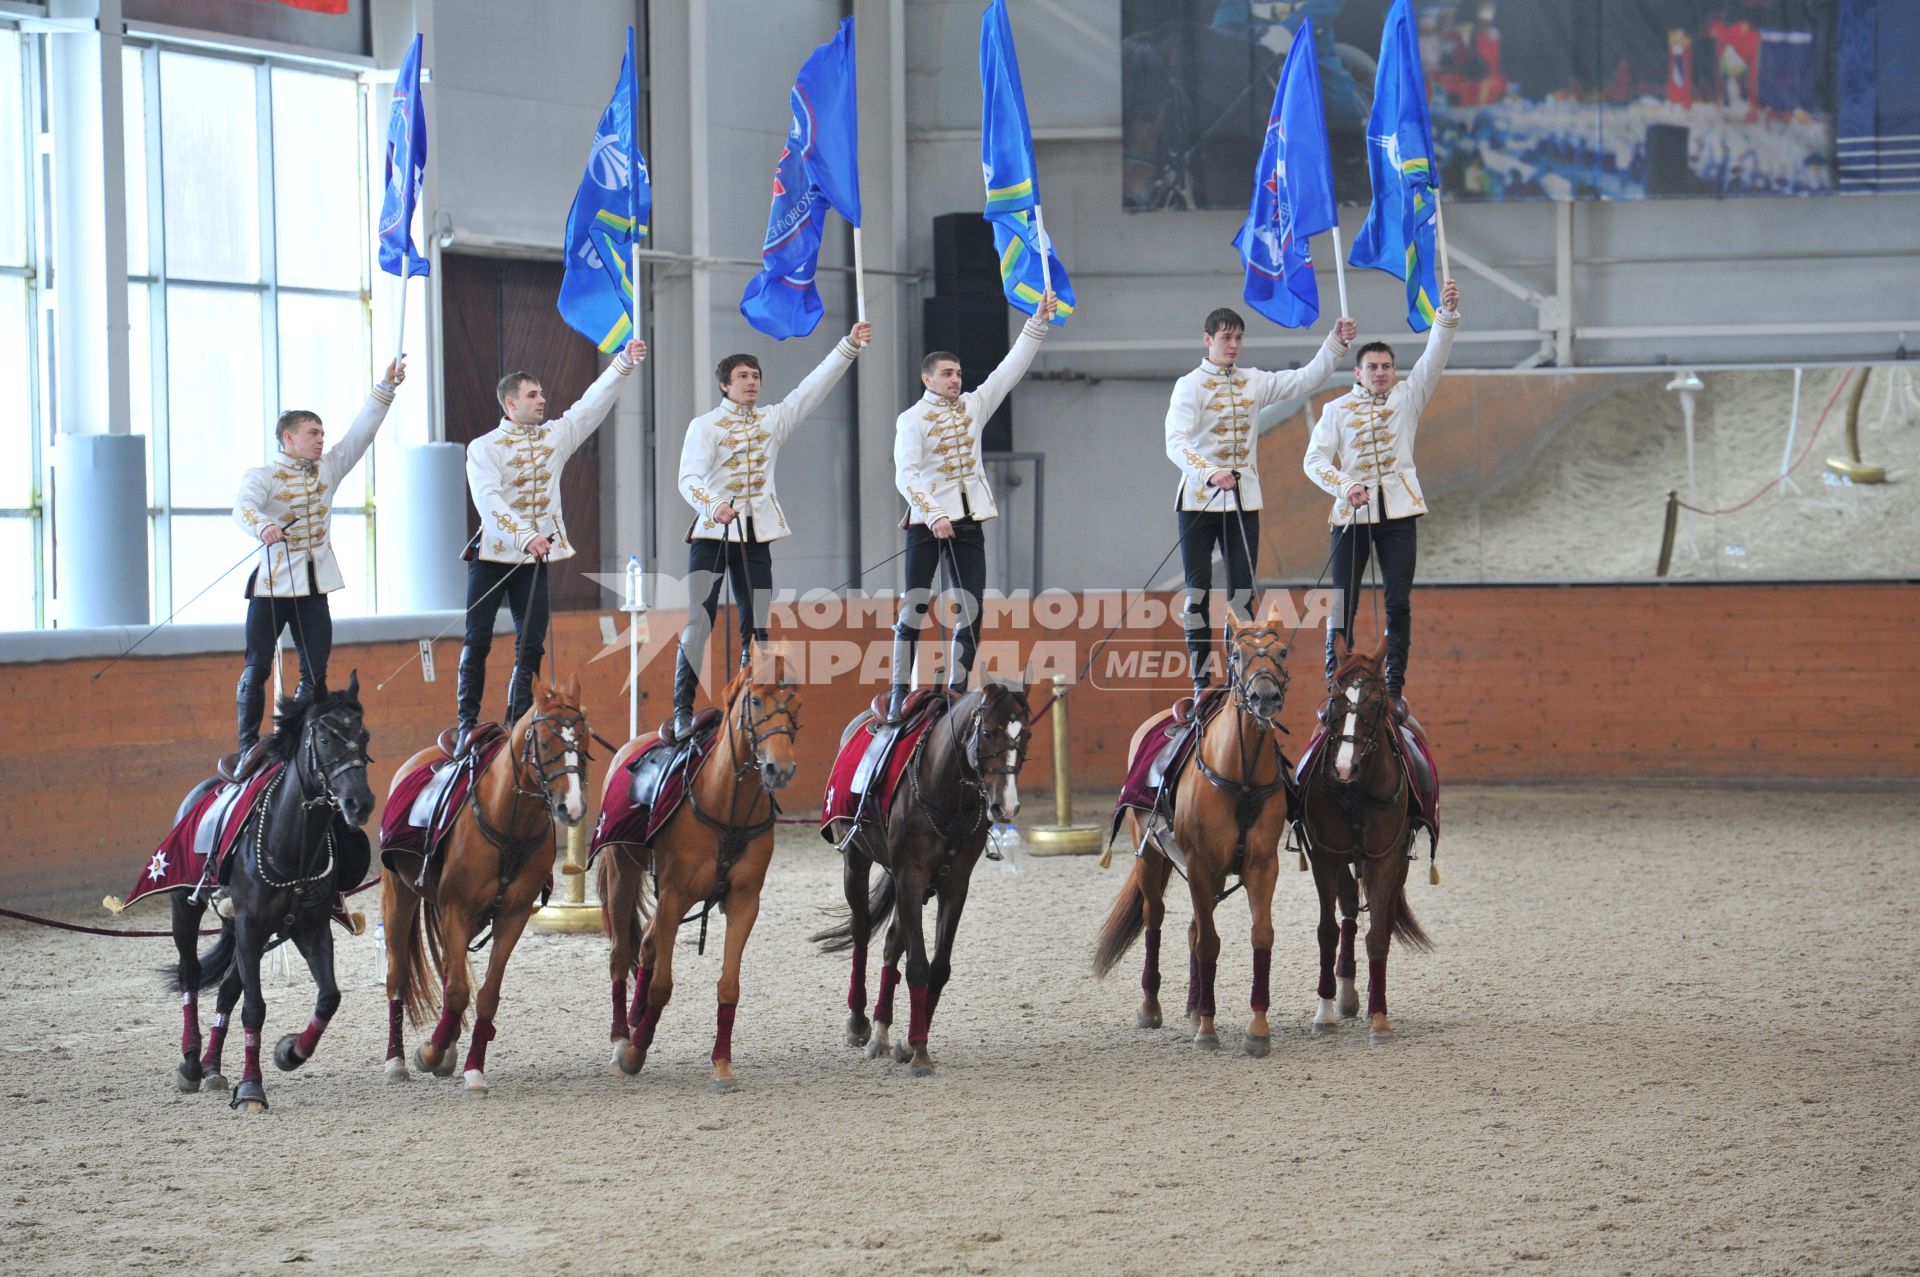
{"type": "Point", "coordinates": [1226, 821]}
{"type": "Point", "coordinates": [289, 861]}
{"type": "Point", "coordinates": [964, 777]}
{"type": "Point", "coordinates": [712, 851]}
{"type": "Point", "coordinates": [1356, 822]}
{"type": "Point", "coordinates": [491, 869]}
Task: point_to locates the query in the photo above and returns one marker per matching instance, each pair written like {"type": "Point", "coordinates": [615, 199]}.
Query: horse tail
{"type": "Point", "coordinates": [839, 938]}
{"type": "Point", "coordinates": [213, 963]}
{"type": "Point", "coordinates": [1406, 927]}
{"type": "Point", "coordinates": [1124, 921]}
{"type": "Point", "coordinates": [414, 984]}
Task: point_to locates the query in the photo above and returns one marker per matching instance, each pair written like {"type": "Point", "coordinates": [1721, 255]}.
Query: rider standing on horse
{"type": "Point", "coordinates": [1362, 453]}
{"type": "Point", "coordinates": [287, 505]}
{"type": "Point", "coordinates": [513, 475]}
{"type": "Point", "coordinates": [937, 468]}
{"type": "Point", "coordinates": [726, 475]}
{"type": "Point", "coordinates": [1212, 435]}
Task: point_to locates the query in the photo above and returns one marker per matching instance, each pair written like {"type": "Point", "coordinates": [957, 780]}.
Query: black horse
{"type": "Point", "coordinates": [962, 779]}
{"type": "Point", "coordinates": [299, 846]}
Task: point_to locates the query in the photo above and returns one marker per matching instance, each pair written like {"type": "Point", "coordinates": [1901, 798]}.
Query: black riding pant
{"type": "Point", "coordinates": [1236, 535]}
{"type": "Point", "coordinates": [311, 621]}
{"type": "Point", "coordinates": [963, 557]}
{"type": "Point", "coordinates": [1396, 543]}
{"type": "Point", "coordinates": [747, 566]}
{"type": "Point", "coordinates": [523, 586]}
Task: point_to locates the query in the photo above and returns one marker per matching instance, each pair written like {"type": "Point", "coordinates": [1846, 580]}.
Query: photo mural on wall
{"type": "Point", "coordinates": [1539, 99]}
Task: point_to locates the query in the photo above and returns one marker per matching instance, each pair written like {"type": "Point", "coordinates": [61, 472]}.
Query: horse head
{"type": "Point", "coordinates": [553, 749]}
{"type": "Point", "coordinates": [996, 746]}
{"type": "Point", "coordinates": [1355, 714]}
{"type": "Point", "coordinates": [324, 738]}
{"type": "Point", "coordinates": [1256, 668]}
{"type": "Point", "coordinates": [763, 707]}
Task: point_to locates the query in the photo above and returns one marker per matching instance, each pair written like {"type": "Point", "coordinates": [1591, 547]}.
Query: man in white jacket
{"type": "Point", "coordinates": [513, 476]}
{"type": "Point", "coordinates": [287, 505]}
{"type": "Point", "coordinates": [937, 467]}
{"type": "Point", "coordinates": [726, 475]}
{"type": "Point", "coordinates": [1361, 452]}
{"type": "Point", "coordinates": [1213, 437]}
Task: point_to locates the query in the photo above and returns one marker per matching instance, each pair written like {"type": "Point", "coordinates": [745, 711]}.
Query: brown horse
{"type": "Point", "coordinates": [963, 777]}
{"type": "Point", "coordinates": [713, 851]}
{"type": "Point", "coordinates": [491, 870]}
{"type": "Point", "coordinates": [1356, 822]}
{"type": "Point", "coordinates": [1230, 809]}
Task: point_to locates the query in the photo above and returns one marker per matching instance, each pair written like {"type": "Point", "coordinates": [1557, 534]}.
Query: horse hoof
{"type": "Point", "coordinates": [396, 1071]}
{"type": "Point", "coordinates": [1325, 1028]}
{"type": "Point", "coordinates": [628, 1058]}
{"type": "Point", "coordinates": [442, 1069]}
{"type": "Point", "coordinates": [1206, 1041]}
{"type": "Point", "coordinates": [859, 1029]}
{"type": "Point", "coordinates": [213, 1082]}
{"type": "Point", "coordinates": [476, 1088]}
{"type": "Point", "coordinates": [249, 1097]}
{"type": "Point", "coordinates": [1147, 1019]}
{"type": "Point", "coordinates": [1259, 1045]}
{"type": "Point", "coordinates": [902, 1053]}
{"type": "Point", "coordinates": [922, 1070]}
{"type": "Point", "coordinates": [723, 1085]}
{"type": "Point", "coordinates": [877, 1046]}
{"type": "Point", "coordinates": [186, 1078]}
{"type": "Point", "coordinates": [1349, 998]}
{"type": "Point", "coordinates": [1376, 1038]}
{"type": "Point", "coordinates": [283, 1057]}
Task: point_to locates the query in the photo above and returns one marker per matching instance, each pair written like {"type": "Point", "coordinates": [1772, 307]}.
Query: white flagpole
{"type": "Point", "coordinates": [1440, 232]}
{"type": "Point", "coordinates": [400, 329]}
{"type": "Point", "coordinates": [1340, 269]}
{"type": "Point", "coordinates": [1046, 250]}
{"type": "Point", "coordinates": [633, 291]}
{"type": "Point", "coordinates": [859, 280]}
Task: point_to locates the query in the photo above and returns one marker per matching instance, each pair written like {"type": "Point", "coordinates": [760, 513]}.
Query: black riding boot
{"type": "Point", "coordinates": [1333, 661]}
{"type": "Point", "coordinates": [519, 695]}
{"type": "Point", "coordinates": [1200, 657]}
{"type": "Point", "coordinates": [250, 701]}
{"type": "Point", "coordinates": [470, 688]}
{"type": "Point", "coordinates": [1399, 644]}
{"type": "Point", "coordinates": [686, 683]}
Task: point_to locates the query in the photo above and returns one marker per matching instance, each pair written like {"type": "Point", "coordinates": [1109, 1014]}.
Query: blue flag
{"type": "Point", "coordinates": [819, 168]}
{"type": "Point", "coordinates": [1398, 236]}
{"type": "Point", "coordinates": [1292, 195]}
{"type": "Point", "coordinates": [1013, 180]}
{"type": "Point", "coordinates": [406, 166]}
{"type": "Point", "coordinates": [607, 222]}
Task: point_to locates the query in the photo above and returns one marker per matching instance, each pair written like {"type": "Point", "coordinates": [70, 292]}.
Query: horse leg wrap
{"type": "Point", "coordinates": [919, 1015]}
{"type": "Point", "coordinates": [933, 1002]}
{"type": "Point", "coordinates": [1150, 970]}
{"type": "Point", "coordinates": [309, 1039]}
{"type": "Point", "coordinates": [447, 1032]}
{"type": "Point", "coordinates": [394, 1013]}
{"type": "Point", "coordinates": [883, 1004]}
{"type": "Point", "coordinates": [1326, 986]}
{"type": "Point", "coordinates": [477, 1047]}
{"type": "Point", "coordinates": [619, 1011]}
{"type": "Point", "coordinates": [252, 1070]}
{"type": "Point", "coordinates": [1205, 1005]}
{"type": "Point", "coordinates": [1262, 967]}
{"type": "Point", "coordinates": [189, 1024]}
{"type": "Point", "coordinates": [639, 1008]}
{"type": "Point", "coordinates": [857, 983]}
{"type": "Point", "coordinates": [216, 1042]}
{"type": "Point", "coordinates": [1377, 987]}
{"type": "Point", "coordinates": [1348, 929]}
{"type": "Point", "coordinates": [643, 1029]}
{"type": "Point", "coordinates": [1193, 983]}
{"type": "Point", "coordinates": [723, 1034]}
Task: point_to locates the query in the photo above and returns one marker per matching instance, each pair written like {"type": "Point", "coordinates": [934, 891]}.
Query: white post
{"type": "Point", "coordinates": [1340, 270]}
{"type": "Point", "coordinates": [859, 280]}
{"type": "Point", "coordinates": [1793, 424]}
{"type": "Point", "coordinates": [1046, 250]}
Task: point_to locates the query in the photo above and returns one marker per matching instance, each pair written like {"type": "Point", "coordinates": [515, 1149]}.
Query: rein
{"type": "Point", "coordinates": [1249, 799]}
{"type": "Point", "coordinates": [1361, 728]}
{"type": "Point", "coordinates": [733, 836]}
{"type": "Point", "coordinates": [514, 850]}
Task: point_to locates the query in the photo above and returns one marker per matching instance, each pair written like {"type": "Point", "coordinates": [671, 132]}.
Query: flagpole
{"type": "Point", "coordinates": [1440, 233]}
{"type": "Point", "coordinates": [633, 292]}
{"type": "Point", "coordinates": [859, 280]}
{"type": "Point", "coordinates": [1340, 270]}
{"type": "Point", "coordinates": [406, 266]}
{"type": "Point", "coordinates": [1046, 251]}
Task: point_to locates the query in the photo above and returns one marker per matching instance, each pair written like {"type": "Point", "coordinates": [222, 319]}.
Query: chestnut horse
{"type": "Point", "coordinates": [1230, 809]}
{"type": "Point", "coordinates": [1356, 822]}
{"type": "Point", "coordinates": [712, 852]}
{"type": "Point", "coordinates": [490, 870]}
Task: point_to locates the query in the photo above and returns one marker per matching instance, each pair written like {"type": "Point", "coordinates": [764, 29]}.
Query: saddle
{"type": "Point", "coordinates": [425, 801]}
{"type": "Point", "coordinates": [235, 768]}
{"type": "Point", "coordinates": [484, 734]}
{"type": "Point", "coordinates": [659, 777]}
{"type": "Point", "coordinates": [1409, 741]}
{"type": "Point", "coordinates": [873, 756]}
{"type": "Point", "coordinates": [1163, 752]}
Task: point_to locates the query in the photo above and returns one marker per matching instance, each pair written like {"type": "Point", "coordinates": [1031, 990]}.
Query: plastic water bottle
{"type": "Point", "coordinates": [633, 582]}
{"type": "Point", "coordinates": [1006, 840]}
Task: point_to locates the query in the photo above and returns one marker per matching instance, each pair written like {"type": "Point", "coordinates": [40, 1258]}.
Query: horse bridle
{"type": "Point", "coordinates": [308, 760]}
{"type": "Point", "coordinates": [1245, 647]}
{"type": "Point", "coordinates": [973, 775]}
{"type": "Point", "coordinates": [782, 706]}
{"type": "Point", "coordinates": [1358, 724]}
{"type": "Point", "coordinates": [572, 731]}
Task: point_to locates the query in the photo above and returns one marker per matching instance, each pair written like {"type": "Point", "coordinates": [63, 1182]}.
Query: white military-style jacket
{"type": "Point", "coordinates": [729, 453]}
{"type": "Point", "coordinates": [936, 443]}
{"type": "Point", "coordinates": [1213, 424]}
{"type": "Point", "coordinates": [296, 496]}
{"type": "Point", "coordinates": [513, 472]}
{"type": "Point", "coordinates": [1367, 439]}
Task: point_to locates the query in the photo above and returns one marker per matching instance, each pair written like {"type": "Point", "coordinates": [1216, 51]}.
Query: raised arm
{"type": "Point", "coordinates": [346, 454]}
{"type": "Point", "coordinates": [812, 392]}
{"type": "Point", "coordinates": [989, 394]}
{"type": "Point", "coordinates": [571, 428]}
{"type": "Point", "coordinates": [1425, 377]}
{"type": "Point", "coordinates": [1292, 383]}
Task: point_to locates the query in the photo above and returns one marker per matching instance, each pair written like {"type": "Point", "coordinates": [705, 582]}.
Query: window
{"type": "Point", "coordinates": [20, 513]}
{"type": "Point", "coordinates": [249, 260]}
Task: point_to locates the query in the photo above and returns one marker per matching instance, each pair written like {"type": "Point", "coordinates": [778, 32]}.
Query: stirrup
{"type": "Point", "coordinates": [682, 725]}
{"type": "Point", "coordinates": [221, 901]}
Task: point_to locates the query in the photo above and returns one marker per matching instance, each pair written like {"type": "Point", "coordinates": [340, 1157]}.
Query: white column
{"type": "Point", "coordinates": [885, 375]}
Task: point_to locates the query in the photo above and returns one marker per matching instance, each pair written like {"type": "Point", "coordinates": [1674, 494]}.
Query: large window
{"type": "Point", "coordinates": [20, 524]}
{"type": "Point", "coordinates": [248, 261]}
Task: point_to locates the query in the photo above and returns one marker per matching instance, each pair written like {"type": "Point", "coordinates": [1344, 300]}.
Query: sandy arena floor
{"type": "Point", "coordinates": [1665, 1031]}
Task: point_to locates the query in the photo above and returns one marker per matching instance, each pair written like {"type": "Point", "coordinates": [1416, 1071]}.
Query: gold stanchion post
{"type": "Point", "coordinates": [1062, 837]}
{"type": "Point", "coordinates": [568, 913]}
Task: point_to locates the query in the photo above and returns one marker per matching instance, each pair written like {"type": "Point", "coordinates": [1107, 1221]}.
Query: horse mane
{"type": "Point", "coordinates": [290, 717]}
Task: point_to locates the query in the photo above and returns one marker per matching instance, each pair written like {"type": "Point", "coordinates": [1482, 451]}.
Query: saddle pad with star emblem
{"type": "Point", "coordinates": [659, 776]}
{"type": "Point", "coordinates": [185, 857]}
{"type": "Point", "coordinates": [842, 800]}
{"type": "Point", "coordinates": [397, 830]}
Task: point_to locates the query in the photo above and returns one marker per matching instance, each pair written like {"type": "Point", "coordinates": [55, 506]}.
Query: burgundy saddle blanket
{"type": "Point", "coordinates": [658, 778]}
{"type": "Point", "coordinates": [200, 840]}
{"type": "Point", "coordinates": [845, 802]}
{"type": "Point", "coordinates": [1410, 746]}
{"type": "Point", "coordinates": [425, 802]}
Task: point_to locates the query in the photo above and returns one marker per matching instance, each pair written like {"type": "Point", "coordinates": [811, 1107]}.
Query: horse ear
{"type": "Point", "coordinates": [572, 688]}
{"type": "Point", "coordinates": [1340, 646]}
{"type": "Point", "coordinates": [353, 684]}
{"type": "Point", "coordinates": [1379, 652]}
